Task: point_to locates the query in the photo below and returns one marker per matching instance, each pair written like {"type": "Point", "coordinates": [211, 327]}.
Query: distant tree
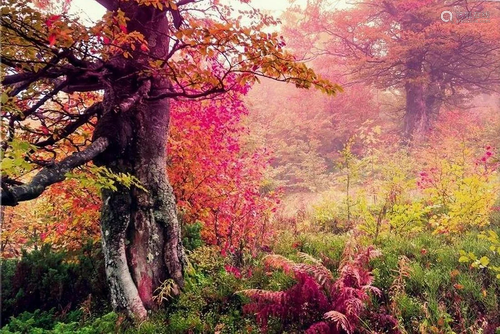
{"type": "Point", "coordinates": [142, 54]}
{"type": "Point", "coordinates": [406, 46]}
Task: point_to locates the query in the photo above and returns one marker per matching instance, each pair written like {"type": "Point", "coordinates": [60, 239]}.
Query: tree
{"type": "Point", "coordinates": [406, 46]}
{"type": "Point", "coordinates": [142, 54]}
{"type": "Point", "coordinates": [216, 181]}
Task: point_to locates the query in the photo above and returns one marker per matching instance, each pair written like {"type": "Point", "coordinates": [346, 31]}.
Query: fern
{"type": "Point", "coordinates": [278, 262]}
{"type": "Point", "coordinates": [165, 291]}
{"type": "Point", "coordinates": [308, 258]}
{"type": "Point", "coordinates": [264, 295]}
{"type": "Point", "coordinates": [317, 303]}
{"type": "Point", "coordinates": [339, 320]}
{"type": "Point", "coordinates": [319, 327]}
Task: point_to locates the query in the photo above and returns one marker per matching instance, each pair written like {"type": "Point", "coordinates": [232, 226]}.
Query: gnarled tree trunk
{"type": "Point", "coordinates": [141, 232]}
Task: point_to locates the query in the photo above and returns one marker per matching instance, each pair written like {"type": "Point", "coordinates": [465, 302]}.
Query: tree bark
{"type": "Point", "coordinates": [140, 229]}
{"type": "Point", "coordinates": [141, 232]}
{"type": "Point", "coordinates": [417, 118]}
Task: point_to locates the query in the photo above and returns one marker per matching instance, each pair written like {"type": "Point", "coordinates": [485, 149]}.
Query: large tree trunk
{"type": "Point", "coordinates": [141, 232]}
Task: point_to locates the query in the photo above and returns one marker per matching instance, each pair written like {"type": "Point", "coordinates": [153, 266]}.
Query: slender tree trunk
{"type": "Point", "coordinates": [417, 118]}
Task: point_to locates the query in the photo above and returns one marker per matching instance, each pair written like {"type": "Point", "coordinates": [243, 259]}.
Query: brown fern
{"type": "Point", "coordinates": [264, 295]}
{"type": "Point", "coordinates": [279, 262]}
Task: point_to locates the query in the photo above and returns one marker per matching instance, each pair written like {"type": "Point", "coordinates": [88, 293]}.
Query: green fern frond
{"type": "Point", "coordinates": [309, 258]}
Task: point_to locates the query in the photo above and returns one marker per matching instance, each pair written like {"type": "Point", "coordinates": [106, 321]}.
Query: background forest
{"type": "Point", "coordinates": [373, 210]}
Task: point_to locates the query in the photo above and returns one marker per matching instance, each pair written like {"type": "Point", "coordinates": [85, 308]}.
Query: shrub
{"type": "Point", "coordinates": [462, 197]}
{"type": "Point", "coordinates": [48, 280]}
{"type": "Point", "coordinates": [208, 303]}
{"type": "Point", "coordinates": [435, 278]}
{"type": "Point", "coordinates": [191, 235]}
{"type": "Point", "coordinates": [485, 261]}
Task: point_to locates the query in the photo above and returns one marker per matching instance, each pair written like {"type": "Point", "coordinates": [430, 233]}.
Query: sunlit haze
{"type": "Point", "coordinates": [93, 10]}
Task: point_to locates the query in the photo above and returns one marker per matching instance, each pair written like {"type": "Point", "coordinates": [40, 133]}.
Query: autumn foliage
{"type": "Point", "coordinates": [217, 182]}
{"type": "Point", "coordinates": [374, 210]}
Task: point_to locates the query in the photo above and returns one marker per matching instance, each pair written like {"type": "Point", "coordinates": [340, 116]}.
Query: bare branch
{"type": "Point", "coordinates": [16, 78]}
{"type": "Point", "coordinates": [35, 76]}
{"type": "Point", "coordinates": [53, 174]}
{"type": "Point", "coordinates": [72, 127]}
{"type": "Point", "coordinates": [41, 102]}
{"type": "Point", "coordinates": [214, 90]}
{"type": "Point", "coordinates": [184, 2]}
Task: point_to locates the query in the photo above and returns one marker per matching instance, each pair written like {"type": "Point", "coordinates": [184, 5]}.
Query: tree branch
{"type": "Point", "coordinates": [72, 127]}
{"type": "Point", "coordinates": [126, 104]}
{"type": "Point", "coordinates": [26, 83]}
{"type": "Point", "coordinates": [214, 90]}
{"type": "Point", "coordinates": [41, 102]}
{"type": "Point", "coordinates": [183, 2]}
{"type": "Point", "coordinates": [53, 174]}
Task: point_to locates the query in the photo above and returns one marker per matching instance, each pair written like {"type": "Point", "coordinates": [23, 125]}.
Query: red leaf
{"type": "Point", "coordinates": [52, 39]}
{"type": "Point", "coordinates": [50, 21]}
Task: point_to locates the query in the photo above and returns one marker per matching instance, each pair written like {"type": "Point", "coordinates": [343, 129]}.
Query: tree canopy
{"type": "Point", "coordinates": [406, 46]}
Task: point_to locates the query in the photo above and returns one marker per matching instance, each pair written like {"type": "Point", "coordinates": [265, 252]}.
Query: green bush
{"type": "Point", "coordinates": [209, 303]}
{"type": "Point", "coordinates": [191, 235]}
{"type": "Point", "coordinates": [46, 280]}
{"type": "Point", "coordinates": [454, 295]}
{"type": "Point", "coordinates": [42, 323]}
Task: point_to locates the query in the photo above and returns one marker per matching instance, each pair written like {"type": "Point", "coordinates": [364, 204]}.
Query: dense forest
{"type": "Point", "coordinates": [206, 166]}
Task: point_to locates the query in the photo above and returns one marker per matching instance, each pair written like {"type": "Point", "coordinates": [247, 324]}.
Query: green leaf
{"type": "Point", "coordinates": [472, 256]}
{"type": "Point", "coordinates": [484, 261]}
{"type": "Point", "coordinates": [463, 259]}
{"type": "Point", "coordinates": [4, 98]}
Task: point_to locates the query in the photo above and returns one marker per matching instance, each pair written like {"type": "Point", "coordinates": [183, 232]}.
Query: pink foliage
{"type": "Point", "coordinates": [215, 178]}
